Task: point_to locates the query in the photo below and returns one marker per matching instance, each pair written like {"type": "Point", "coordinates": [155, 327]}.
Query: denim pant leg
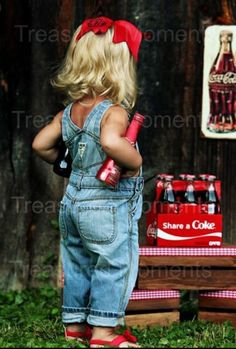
{"type": "Point", "coordinates": [110, 233]}
{"type": "Point", "coordinates": [134, 216]}
{"type": "Point", "coordinates": [77, 269]}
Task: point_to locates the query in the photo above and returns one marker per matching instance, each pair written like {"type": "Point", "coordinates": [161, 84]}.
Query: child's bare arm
{"type": "Point", "coordinates": [44, 143]}
{"type": "Point", "coordinates": [113, 129]}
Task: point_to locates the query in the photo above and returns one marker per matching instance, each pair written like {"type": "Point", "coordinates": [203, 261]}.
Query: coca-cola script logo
{"type": "Point", "coordinates": [228, 78]}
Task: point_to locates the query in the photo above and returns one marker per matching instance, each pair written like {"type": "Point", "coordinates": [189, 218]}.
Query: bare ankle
{"type": "Point", "coordinates": [80, 327]}
{"type": "Point", "coordinates": [103, 332]}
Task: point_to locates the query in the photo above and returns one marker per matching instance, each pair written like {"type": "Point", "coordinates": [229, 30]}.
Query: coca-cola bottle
{"type": "Point", "coordinates": [190, 196]}
{"type": "Point", "coordinates": [190, 203]}
{"type": "Point", "coordinates": [159, 186]}
{"type": "Point", "coordinates": [180, 190]}
{"type": "Point", "coordinates": [222, 81]}
{"type": "Point", "coordinates": [201, 193]}
{"type": "Point", "coordinates": [167, 200]}
{"type": "Point", "coordinates": [110, 172]}
{"type": "Point", "coordinates": [62, 165]}
{"type": "Point", "coordinates": [212, 200]}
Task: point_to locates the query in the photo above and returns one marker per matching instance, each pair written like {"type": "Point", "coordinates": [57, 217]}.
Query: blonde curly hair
{"type": "Point", "coordinates": [95, 66]}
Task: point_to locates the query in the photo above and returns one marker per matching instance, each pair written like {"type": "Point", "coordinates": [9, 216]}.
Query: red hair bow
{"type": "Point", "coordinates": [124, 31]}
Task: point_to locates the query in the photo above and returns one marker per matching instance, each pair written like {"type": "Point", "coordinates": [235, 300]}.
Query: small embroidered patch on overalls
{"type": "Point", "coordinates": [81, 149]}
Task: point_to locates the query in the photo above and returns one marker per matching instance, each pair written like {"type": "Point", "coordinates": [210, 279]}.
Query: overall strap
{"type": "Point", "coordinates": [141, 169]}
{"type": "Point", "coordinates": [93, 124]}
{"type": "Point", "coordinates": [66, 127]}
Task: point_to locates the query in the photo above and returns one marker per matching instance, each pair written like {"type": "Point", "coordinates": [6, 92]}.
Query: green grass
{"type": "Point", "coordinates": [31, 319]}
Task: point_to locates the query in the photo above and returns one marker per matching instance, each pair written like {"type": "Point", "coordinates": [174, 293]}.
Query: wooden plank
{"type": "Point", "coordinates": [187, 261]}
{"type": "Point", "coordinates": [152, 319]}
{"type": "Point", "coordinates": [217, 303]}
{"type": "Point", "coordinates": [153, 304]}
{"type": "Point", "coordinates": [217, 317]}
{"type": "Point", "coordinates": [186, 278]}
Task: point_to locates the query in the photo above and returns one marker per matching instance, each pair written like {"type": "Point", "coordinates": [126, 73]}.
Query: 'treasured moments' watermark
{"type": "Point", "coordinates": [177, 121]}
{"type": "Point", "coordinates": [175, 273]}
{"type": "Point", "coordinates": [171, 35]}
{"type": "Point", "coordinates": [23, 120]}
{"type": "Point", "coordinates": [41, 35]}
{"type": "Point", "coordinates": [178, 35]}
{"type": "Point", "coordinates": [24, 206]}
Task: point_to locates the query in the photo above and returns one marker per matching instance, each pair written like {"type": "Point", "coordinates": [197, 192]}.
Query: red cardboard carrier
{"type": "Point", "coordinates": [190, 226]}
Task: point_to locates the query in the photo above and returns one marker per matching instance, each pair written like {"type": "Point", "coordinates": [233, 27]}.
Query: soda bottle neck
{"type": "Point", "coordinates": [134, 127]}
{"type": "Point", "coordinates": [226, 47]}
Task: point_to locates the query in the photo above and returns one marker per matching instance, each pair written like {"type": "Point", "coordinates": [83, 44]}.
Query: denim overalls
{"type": "Point", "coordinates": [99, 230]}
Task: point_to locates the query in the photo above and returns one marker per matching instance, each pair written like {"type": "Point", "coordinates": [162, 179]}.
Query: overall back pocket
{"type": "Point", "coordinates": [97, 224]}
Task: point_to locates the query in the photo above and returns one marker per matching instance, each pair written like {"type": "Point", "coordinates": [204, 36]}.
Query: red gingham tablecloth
{"type": "Point", "coordinates": [219, 294]}
{"type": "Point", "coordinates": [155, 294]}
{"type": "Point", "coordinates": [187, 251]}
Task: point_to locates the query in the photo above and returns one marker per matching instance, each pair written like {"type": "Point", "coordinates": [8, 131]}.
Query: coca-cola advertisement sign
{"type": "Point", "coordinates": [219, 83]}
{"type": "Point", "coordinates": [189, 230]}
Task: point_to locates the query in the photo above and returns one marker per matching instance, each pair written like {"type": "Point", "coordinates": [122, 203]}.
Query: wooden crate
{"type": "Point", "coordinates": [218, 306]}
{"type": "Point", "coordinates": [152, 308]}
{"type": "Point", "coordinates": [187, 268]}
{"type": "Point", "coordinates": [152, 319]}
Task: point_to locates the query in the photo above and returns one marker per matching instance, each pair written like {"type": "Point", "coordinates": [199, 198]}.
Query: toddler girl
{"type": "Point", "coordinates": [98, 223]}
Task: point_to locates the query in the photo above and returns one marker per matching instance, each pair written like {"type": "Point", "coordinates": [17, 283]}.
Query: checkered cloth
{"type": "Point", "coordinates": [187, 251]}
{"type": "Point", "coordinates": [156, 294]}
{"type": "Point", "coordinates": [219, 294]}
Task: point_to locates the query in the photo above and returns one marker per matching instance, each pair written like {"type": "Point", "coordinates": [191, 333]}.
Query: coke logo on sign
{"type": "Point", "coordinates": [228, 78]}
{"type": "Point", "coordinates": [203, 225]}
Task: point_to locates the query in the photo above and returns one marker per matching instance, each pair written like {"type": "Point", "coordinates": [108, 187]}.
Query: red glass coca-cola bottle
{"type": "Point", "coordinates": [110, 172]}
{"type": "Point", "coordinates": [222, 81]}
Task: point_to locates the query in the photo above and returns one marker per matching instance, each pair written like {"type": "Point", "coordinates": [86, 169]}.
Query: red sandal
{"type": "Point", "coordinates": [125, 337]}
{"type": "Point", "coordinates": [79, 335]}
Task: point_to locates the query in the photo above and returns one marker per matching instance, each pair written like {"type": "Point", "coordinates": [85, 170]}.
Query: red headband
{"type": "Point", "coordinates": [124, 31]}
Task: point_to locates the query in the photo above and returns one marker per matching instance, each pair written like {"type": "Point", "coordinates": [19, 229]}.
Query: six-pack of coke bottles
{"type": "Point", "coordinates": [186, 211]}
{"type": "Point", "coordinates": [188, 194]}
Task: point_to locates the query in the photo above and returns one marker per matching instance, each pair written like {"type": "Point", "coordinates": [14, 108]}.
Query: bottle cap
{"type": "Point", "coordinates": [183, 176]}
{"type": "Point", "coordinates": [161, 176]}
{"type": "Point", "coordinates": [211, 178]}
{"type": "Point", "coordinates": [203, 176]}
{"type": "Point", "coordinates": [190, 177]}
{"type": "Point", "coordinates": [169, 177]}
